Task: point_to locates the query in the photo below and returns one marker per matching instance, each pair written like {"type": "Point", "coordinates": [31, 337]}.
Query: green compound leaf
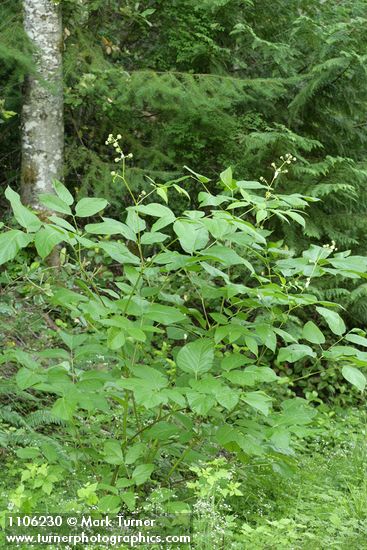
{"type": "Point", "coordinates": [89, 206]}
{"type": "Point", "coordinates": [25, 217]}
{"type": "Point", "coordinates": [196, 357]}
{"type": "Point", "coordinates": [333, 320]}
{"type": "Point", "coordinates": [355, 377]}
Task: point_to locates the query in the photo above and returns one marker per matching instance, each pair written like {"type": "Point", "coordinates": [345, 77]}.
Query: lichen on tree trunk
{"type": "Point", "coordinates": [42, 117]}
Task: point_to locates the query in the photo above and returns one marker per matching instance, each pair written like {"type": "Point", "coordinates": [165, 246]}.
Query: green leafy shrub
{"type": "Point", "coordinates": [171, 335]}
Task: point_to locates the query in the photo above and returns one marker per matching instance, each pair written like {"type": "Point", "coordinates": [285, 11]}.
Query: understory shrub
{"type": "Point", "coordinates": [173, 338]}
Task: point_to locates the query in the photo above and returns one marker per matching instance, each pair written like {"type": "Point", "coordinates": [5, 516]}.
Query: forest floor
{"type": "Point", "coordinates": [324, 504]}
{"type": "Point", "coordinates": [321, 505]}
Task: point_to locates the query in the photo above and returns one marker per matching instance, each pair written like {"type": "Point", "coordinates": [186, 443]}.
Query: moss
{"type": "Point", "coordinates": [28, 181]}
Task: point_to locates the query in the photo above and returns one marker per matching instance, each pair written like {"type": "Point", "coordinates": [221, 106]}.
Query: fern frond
{"type": "Point", "coordinates": [12, 417]}
{"type": "Point", "coordinates": [42, 418]}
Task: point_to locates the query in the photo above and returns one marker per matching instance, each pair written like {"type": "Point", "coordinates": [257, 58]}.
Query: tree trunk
{"type": "Point", "coordinates": [42, 118]}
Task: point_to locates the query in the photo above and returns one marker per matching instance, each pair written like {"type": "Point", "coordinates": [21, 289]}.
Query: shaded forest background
{"type": "Point", "coordinates": [211, 84]}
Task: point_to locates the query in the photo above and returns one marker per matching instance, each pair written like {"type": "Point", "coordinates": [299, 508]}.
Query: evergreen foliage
{"type": "Point", "coordinates": [15, 63]}
{"type": "Point", "coordinates": [230, 82]}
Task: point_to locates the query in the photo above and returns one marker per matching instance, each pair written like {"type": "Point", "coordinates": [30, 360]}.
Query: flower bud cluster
{"type": "Point", "coordinates": [288, 158]}
{"type": "Point", "coordinates": [115, 142]}
{"type": "Point", "coordinates": [331, 247]}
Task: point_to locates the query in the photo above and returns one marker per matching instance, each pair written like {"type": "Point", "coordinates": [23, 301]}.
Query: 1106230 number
{"type": "Point", "coordinates": [34, 521]}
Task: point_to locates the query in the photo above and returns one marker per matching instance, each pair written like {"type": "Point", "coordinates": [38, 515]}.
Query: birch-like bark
{"type": "Point", "coordinates": [42, 117]}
